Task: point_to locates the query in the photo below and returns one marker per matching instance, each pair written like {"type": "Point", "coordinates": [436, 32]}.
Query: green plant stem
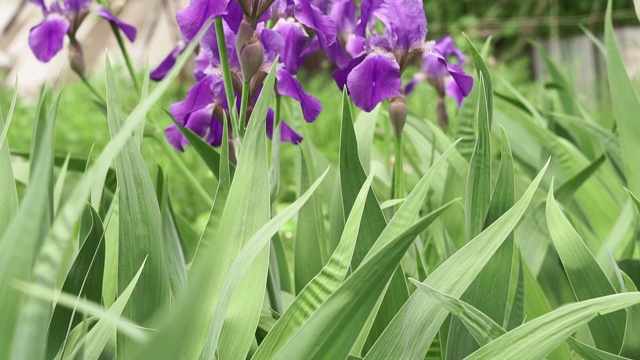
{"type": "Point", "coordinates": [125, 55]}
{"type": "Point", "coordinates": [398, 169]}
{"type": "Point", "coordinates": [93, 90]}
{"type": "Point", "coordinates": [243, 107]}
{"type": "Point", "coordinates": [226, 73]}
{"type": "Point", "coordinates": [273, 287]}
{"type": "Point", "coordinates": [176, 160]}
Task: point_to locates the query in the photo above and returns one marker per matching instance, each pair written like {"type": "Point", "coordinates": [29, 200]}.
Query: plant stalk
{"type": "Point", "coordinates": [398, 170]}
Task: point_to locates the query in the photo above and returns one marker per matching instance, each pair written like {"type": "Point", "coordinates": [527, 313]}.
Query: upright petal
{"type": "Point", "coordinates": [128, 30]}
{"type": "Point", "coordinates": [311, 16]}
{"type": "Point", "coordinates": [209, 44]}
{"type": "Point", "coordinates": [198, 97]}
{"type": "Point", "coordinates": [76, 6]}
{"type": "Point", "coordinates": [374, 80]}
{"type": "Point", "coordinates": [289, 86]}
{"type": "Point", "coordinates": [193, 17]}
{"type": "Point", "coordinates": [343, 13]}
{"type": "Point", "coordinates": [167, 64]}
{"type": "Point", "coordinates": [447, 48]}
{"type": "Point", "coordinates": [336, 54]}
{"type": "Point", "coordinates": [295, 39]}
{"type": "Point", "coordinates": [287, 134]}
{"type": "Point", "coordinates": [273, 44]}
{"type": "Point", "coordinates": [47, 38]}
{"type": "Point", "coordinates": [404, 20]}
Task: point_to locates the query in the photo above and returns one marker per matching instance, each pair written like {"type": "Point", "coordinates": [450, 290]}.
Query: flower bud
{"type": "Point", "coordinates": [76, 58]}
{"type": "Point", "coordinates": [398, 113]}
{"type": "Point", "coordinates": [250, 50]}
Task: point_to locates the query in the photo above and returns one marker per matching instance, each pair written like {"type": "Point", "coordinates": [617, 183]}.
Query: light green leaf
{"type": "Point", "coordinates": [538, 337]}
{"type": "Point", "coordinates": [590, 353]}
{"type": "Point", "coordinates": [626, 105]}
{"type": "Point", "coordinates": [631, 343]}
{"type": "Point", "coordinates": [9, 204]}
{"type": "Point", "coordinates": [587, 279]}
{"type": "Point", "coordinates": [413, 329]}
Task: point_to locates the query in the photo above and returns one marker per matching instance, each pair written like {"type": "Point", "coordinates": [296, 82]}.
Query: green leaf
{"type": "Point", "coordinates": [413, 329]}
{"type": "Point", "coordinates": [538, 337]}
{"type": "Point", "coordinates": [9, 203]}
{"type": "Point", "coordinates": [631, 343]}
{"type": "Point", "coordinates": [246, 210]}
{"type": "Point", "coordinates": [174, 258]}
{"type": "Point", "coordinates": [140, 225]}
{"type": "Point", "coordinates": [587, 279]}
{"type": "Point", "coordinates": [489, 292]}
{"type": "Point", "coordinates": [93, 343]}
{"type": "Point", "coordinates": [84, 279]}
{"type": "Point", "coordinates": [321, 286]}
{"type": "Point", "coordinates": [626, 105]}
{"type": "Point", "coordinates": [19, 246]}
{"type": "Point", "coordinates": [309, 232]}
{"type": "Point", "coordinates": [328, 333]}
{"type": "Point", "coordinates": [589, 352]}
{"type": "Point", "coordinates": [485, 78]}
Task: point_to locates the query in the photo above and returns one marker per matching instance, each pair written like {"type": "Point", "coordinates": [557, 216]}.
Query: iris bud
{"type": "Point", "coordinates": [250, 50]}
{"type": "Point", "coordinates": [76, 58]}
{"type": "Point", "coordinates": [398, 113]}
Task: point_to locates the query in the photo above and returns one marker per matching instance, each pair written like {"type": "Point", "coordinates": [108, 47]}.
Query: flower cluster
{"type": "Point", "coordinates": [370, 51]}
{"type": "Point", "coordinates": [63, 18]}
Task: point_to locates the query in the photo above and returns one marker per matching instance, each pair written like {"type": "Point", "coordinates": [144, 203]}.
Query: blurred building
{"type": "Point", "coordinates": [154, 19]}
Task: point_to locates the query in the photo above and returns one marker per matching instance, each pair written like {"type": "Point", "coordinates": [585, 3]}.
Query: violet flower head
{"type": "Point", "coordinates": [447, 77]}
{"type": "Point", "coordinates": [374, 75]}
{"type": "Point", "coordinates": [63, 18]}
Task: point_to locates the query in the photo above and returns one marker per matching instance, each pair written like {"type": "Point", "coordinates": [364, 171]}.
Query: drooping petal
{"type": "Point", "coordinates": [341, 75]}
{"type": "Point", "coordinates": [199, 121]}
{"type": "Point", "coordinates": [128, 30]}
{"type": "Point", "coordinates": [192, 18]}
{"type": "Point", "coordinates": [47, 38]}
{"type": "Point", "coordinates": [374, 80]}
{"type": "Point", "coordinates": [337, 55]}
{"type": "Point", "coordinates": [464, 81]}
{"type": "Point", "coordinates": [198, 97]}
{"type": "Point", "coordinates": [167, 64]}
{"type": "Point", "coordinates": [417, 78]}
{"type": "Point", "coordinates": [295, 39]}
{"type": "Point", "coordinates": [234, 16]}
{"type": "Point", "coordinates": [289, 86]}
{"type": "Point", "coordinates": [175, 137]}
{"type": "Point", "coordinates": [313, 18]}
{"type": "Point", "coordinates": [355, 46]}
{"type": "Point", "coordinates": [202, 63]}
{"type": "Point", "coordinates": [287, 134]}
{"type": "Point", "coordinates": [76, 6]}
{"type": "Point", "coordinates": [447, 48]}
{"type": "Point", "coordinates": [434, 63]}
{"type": "Point", "coordinates": [452, 90]}
{"type": "Point", "coordinates": [215, 132]}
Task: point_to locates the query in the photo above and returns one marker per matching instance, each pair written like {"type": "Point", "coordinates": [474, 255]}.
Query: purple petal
{"type": "Point", "coordinates": [447, 48]}
{"type": "Point", "coordinates": [47, 38]}
{"type": "Point", "coordinates": [355, 46]}
{"type": "Point", "coordinates": [202, 63]}
{"type": "Point", "coordinates": [374, 80]}
{"type": "Point", "coordinates": [40, 3]}
{"type": "Point", "coordinates": [273, 44]}
{"type": "Point", "coordinates": [128, 30]}
{"type": "Point", "coordinates": [175, 137]}
{"type": "Point", "coordinates": [209, 44]}
{"type": "Point", "coordinates": [341, 75]}
{"type": "Point", "coordinates": [312, 46]}
{"type": "Point", "coordinates": [199, 121]}
{"type": "Point", "coordinates": [343, 14]}
{"type": "Point", "coordinates": [167, 64]}
{"type": "Point", "coordinates": [234, 15]}
{"type": "Point", "coordinates": [198, 97]}
{"type": "Point", "coordinates": [192, 18]}
{"type": "Point", "coordinates": [453, 91]}
{"type": "Point", "coordinates": [434, 63]}
{"type": "Point", "coordinates": [335, 52]}
{"type": "Point", "coordinates": [215, 132]}
{"type": "Point", "coordinates": [464, 81]}
{"type": "Point", "coordinates": [405, 22]}
{"type": "Point", "coordinates": [286, 133]}
{"type": "Point", "coordinates": [76, 6]}
{"type": "Point", "coordinates": [289, 86]}
{"type": "Point", "coordinates": [312, 17]}
{"type": "Point", "coordinates": [417, 78]}
{"type": "Point", "coordinates": [295, 39]}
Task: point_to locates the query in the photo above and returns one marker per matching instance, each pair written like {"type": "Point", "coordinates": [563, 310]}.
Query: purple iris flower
{"type": "Point", "coordinates": [447, 78]}
{"type": "Point", "coordinates": [63, 18]}
{"type": "Point", "coordinates": [205, 104]}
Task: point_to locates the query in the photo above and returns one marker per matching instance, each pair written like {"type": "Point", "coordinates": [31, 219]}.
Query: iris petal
{"type": "Point", "coordinates": [289, 86]}
{"type": "Point", "coordinates": [374, 80]}
{"type": "Point", "coordinates": [128, 30]}
{"type": "Point", "coordinates": [287, 134]}
{"type": "Point", "coordinates": [192, 18]}
{"type": "Point", "coordinates": [47, 38]}
{"type": "Point", "coordinates": [198, 97]}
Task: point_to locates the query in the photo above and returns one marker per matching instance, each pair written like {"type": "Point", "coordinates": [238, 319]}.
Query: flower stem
{"type": "Point", "coordinates": [243, 107]}
{"type": "Point", "coordinates": [226, 72]}
{"type": "Point", "coordinates": [125, 55]}
{"type": "Point", "coordinates": [93, 90]}
{"type": "Point", "coordinates": [177, 160]}
{"type": "Point", "coordinates": [398, 170]}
